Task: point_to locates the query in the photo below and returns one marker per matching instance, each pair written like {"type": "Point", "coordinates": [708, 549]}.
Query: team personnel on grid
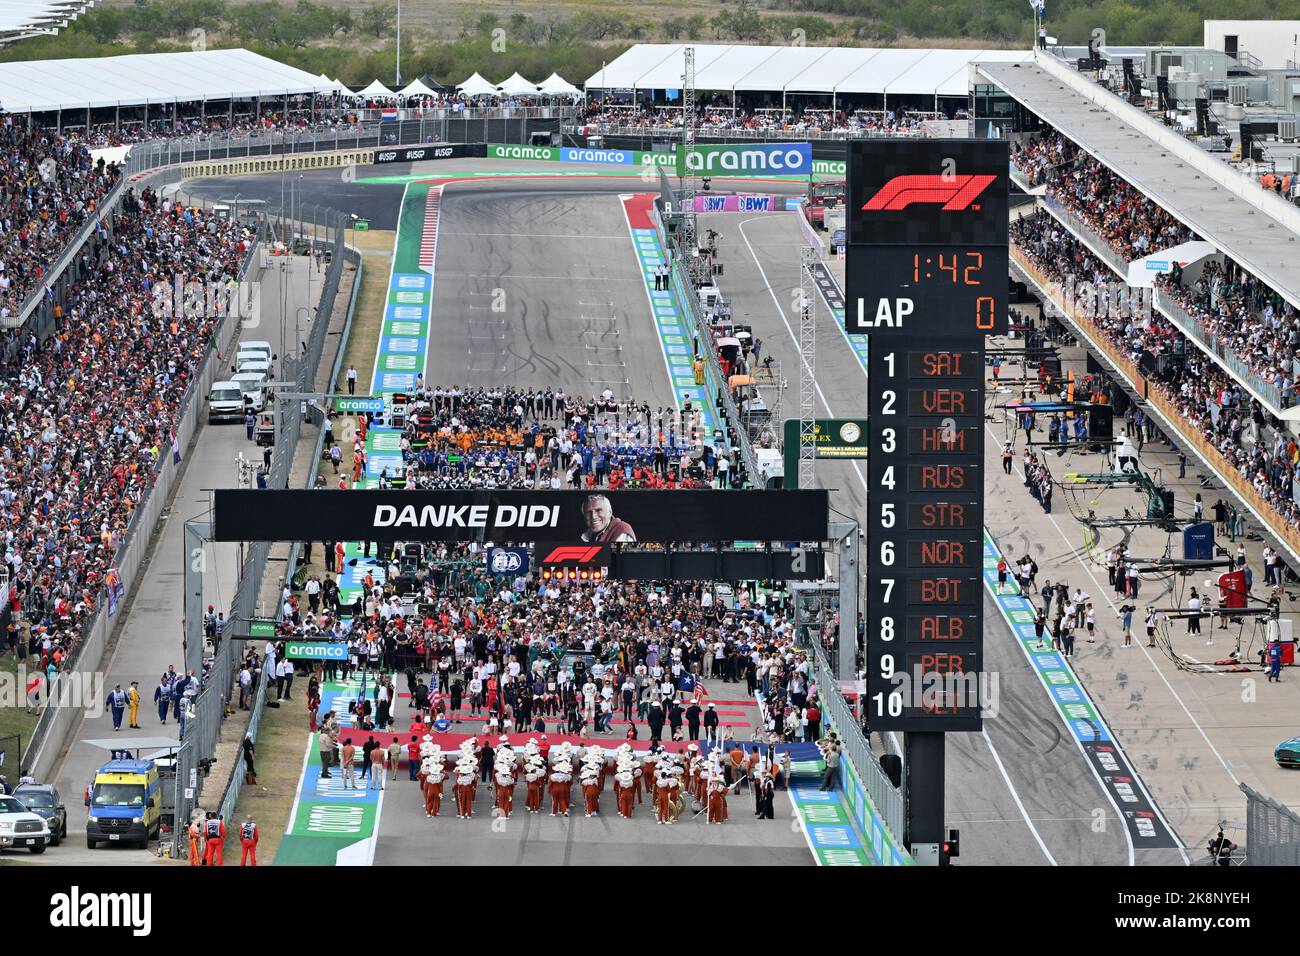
{"type": "Point", "coordinates": [248, 842]}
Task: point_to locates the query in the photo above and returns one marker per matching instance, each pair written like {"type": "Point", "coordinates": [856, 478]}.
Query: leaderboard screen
{"type": "Point", "coordinates": [926, 277]}
{"type": "Point", "coordinates": [925, 535]}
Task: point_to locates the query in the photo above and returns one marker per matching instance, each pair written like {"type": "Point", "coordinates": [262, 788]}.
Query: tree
{"type": "Point", "coordinates": [742, 23]}
{"type": "Point", "coordinates": [257, 22]}
{"type": "Point", "coordinates": [343, 21]}
{"type": "Point", "coordinates": [105, 24]}
{"type": "Point", "coordinates": [695, 25]}
{"type": "Point", "coordinates": [672, 28]}
{"type": "Point", "coordinates": [378, 19]}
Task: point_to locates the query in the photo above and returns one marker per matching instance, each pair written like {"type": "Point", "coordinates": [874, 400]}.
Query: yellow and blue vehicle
{"type": "Point", "coordinates": [125, 803]}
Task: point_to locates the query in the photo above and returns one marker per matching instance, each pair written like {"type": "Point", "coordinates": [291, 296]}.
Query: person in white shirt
{"type": "Point", "coordinates": [284, 680]}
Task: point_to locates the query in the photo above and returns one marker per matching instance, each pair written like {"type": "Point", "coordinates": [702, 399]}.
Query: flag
{"type": "Point", "coordinates": [388, 114]}
{"type": "Point", "coordinates": [176, 451]}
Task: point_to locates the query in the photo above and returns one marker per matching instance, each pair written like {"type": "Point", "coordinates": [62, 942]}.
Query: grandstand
{"type": "Point", "coordinates": [1220, 350]}
{"type": "Point", "coordinates": [120, 91]}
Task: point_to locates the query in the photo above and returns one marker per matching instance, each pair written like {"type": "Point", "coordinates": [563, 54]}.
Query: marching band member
{"type": "Point", "coordinates": [466, 781]}
{"type": "Point", "coordinates": [435, 772]}
{"type": "Point", "coordinates": [561, 781]}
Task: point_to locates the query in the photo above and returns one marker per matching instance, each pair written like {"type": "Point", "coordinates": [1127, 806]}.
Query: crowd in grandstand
{"type": "Point", "coordinates": [222, 126]}
{"type": "Point", "coordinates": [1242, 314]}
{"type": "Point", "coordinates": [49, 188]}
{"type": "Point", "coordinates": [86, 415]}
{"type": "Point", "coordinates": [1206, 397]}
{"type": "Point", "coordinates": [718, 118]}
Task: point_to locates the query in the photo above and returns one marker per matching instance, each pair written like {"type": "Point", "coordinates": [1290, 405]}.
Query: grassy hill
{"type": "Point", "coordinates": [353, 39]}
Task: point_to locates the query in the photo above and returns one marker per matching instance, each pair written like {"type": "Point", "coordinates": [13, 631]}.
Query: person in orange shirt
{"type": "Point", "coordinates": [214, 833]}
{"type": "Point", "coordinates": [735, 764]}
{"type": "Point", "coordinates": [196, 843]}
{"type": "Point", "coordinates": [248, 842]}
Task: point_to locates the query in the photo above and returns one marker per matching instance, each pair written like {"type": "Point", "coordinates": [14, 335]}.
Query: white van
{"type": "Point", "coordinates": [257, 365]}
{"type": "Point", "coordinates": [250, 383]}
{"type": "Point", "coordinates": [257, 346]}
{"type": "Point", "coordinates": [226, 402]}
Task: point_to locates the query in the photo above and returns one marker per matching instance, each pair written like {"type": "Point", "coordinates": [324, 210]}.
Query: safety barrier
{"type": "Point", "coordinates": [1272, 831]}
{"type": "Point", "coordinates": [880, 809]}
{"type": "Point", "coordinates": [285, 162]}
{"type": "Point", "coordinates": [203, 730]}
{"type": "Point", "coordinates": [1165, 410]}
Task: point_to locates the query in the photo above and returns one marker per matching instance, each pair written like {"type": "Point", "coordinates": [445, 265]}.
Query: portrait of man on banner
{"type": "Point", "coordinates": [599, 523]}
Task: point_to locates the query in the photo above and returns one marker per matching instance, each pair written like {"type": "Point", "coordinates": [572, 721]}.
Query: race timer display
{"type": "Point", "coordinates": [927, 281]}
{"type": "Point", "coordinates": [928, 221]}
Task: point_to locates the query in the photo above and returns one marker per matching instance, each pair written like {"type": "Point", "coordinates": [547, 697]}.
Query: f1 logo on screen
{"type": "Point", "coordinates": [928, 192]}
{"type": "Point", "coordinates": [952, 192]}
{"type": "Point", "coordinates": [571, 553]}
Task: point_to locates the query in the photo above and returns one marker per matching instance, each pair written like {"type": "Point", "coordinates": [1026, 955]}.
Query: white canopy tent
{"type": "Point", "coordinates": [476, 86]}
{"type": "Point", "coordinates": [34, 86]}
{"type": "Point", "coordinates": [556, 85]}
{"type": "Point", "coordinates": [830, 71]}
{"type": "Point", "coordinates": [516, 85]}
{"type": "Point", "coordinates": [416, 88]}
{"type": "Point", "coordinates": [377, 90]}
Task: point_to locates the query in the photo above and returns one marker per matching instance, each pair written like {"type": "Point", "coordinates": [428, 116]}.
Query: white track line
{"type": "Point", "coordinates": [1021, 807]}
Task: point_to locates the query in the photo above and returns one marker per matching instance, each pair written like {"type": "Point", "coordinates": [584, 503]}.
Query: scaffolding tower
{"type": "Point", "coordinates": [687, 172]}
{"type": "Point", "coordinates": [807, 370]}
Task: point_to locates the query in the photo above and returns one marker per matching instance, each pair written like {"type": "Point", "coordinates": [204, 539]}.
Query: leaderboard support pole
{"type": "Point", "coordinates": [924, 765]}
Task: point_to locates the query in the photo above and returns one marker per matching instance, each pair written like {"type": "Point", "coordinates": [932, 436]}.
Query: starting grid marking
{"type": "Point", "coordinates": [323, 808]}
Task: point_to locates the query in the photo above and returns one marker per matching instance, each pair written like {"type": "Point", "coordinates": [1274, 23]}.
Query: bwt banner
{"type": "Point", "coordinates": [748, 159]}
{"type": "Point", "coordinates": [519, 516]}
{"type": "Point", "coordinates": [738, 204]}
{"type": "Point", "coordinates": [507, 560]}
{"type": "Point", "coordinates": [415, 154]}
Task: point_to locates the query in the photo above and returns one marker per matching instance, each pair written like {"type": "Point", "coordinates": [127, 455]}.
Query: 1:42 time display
{"type": "Point", "coordinates": [959, 268]}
